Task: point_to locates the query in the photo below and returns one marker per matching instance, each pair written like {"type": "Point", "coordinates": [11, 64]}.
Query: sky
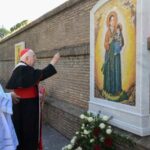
{"type": "Point", "coordinates": [15, 11]}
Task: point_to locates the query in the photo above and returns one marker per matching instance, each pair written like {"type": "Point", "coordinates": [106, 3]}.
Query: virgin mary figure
{"type": "Point", "coordinates": [112, 64]}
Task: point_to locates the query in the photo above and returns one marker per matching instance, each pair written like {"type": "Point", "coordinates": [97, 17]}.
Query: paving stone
{"type": "Point", "coordinates": [52, 139]}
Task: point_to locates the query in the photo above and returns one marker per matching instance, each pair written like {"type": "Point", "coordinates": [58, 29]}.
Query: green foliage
{"type": "Point", "coordinates": [123, 139]}
{"type": "Point", "coordinates": [19, 25]}
{"type": "Point", "coordinates": [3, 32]}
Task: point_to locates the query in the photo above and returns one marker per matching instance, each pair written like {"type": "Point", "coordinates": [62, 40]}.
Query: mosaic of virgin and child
{"type": "Point", "coordinates": [114, 42]}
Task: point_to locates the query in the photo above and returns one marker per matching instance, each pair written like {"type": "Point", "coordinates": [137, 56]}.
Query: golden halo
{"type": "Point", "coordinates": [114, 14]}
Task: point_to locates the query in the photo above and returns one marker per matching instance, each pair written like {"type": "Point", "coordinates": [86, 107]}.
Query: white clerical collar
{"type": "Point", "coordinates": [20, 64]}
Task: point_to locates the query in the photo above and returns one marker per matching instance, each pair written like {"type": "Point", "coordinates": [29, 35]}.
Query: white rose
{"type": "Point", "coordinates": [82, 116]}
{"type": "Point", "coordinates": [69, 146]}
{"type": "Point", "coordinates": [78, 148]}
{"type": "Point", "coordinates": [102, 139]}
{"type": "Point", "coordinates": [91, 140]}
{"type": "Point", "coordinates": [102, 125]}
{"type": "Point", "coordinates": [83, 126]}
{"type": "Point", "coordinates": [105, 118]}
{"type": "Point", "coordinates": [86, 132]}
{"type": "Point", "coordinates": [108, 131]}
{"type": "Point", "coordinates": [109, 127]}
{"type": "Point", "coordinates": [64, 148]}
{"type": "Point", "coordinates": [90, 119]}
{"type": "Point", "coordinates": [73, 140]}
{"type": "Point", "coordinates": [77, 132]}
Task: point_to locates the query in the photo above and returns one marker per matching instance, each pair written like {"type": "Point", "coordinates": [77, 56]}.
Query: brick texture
{"type": "Point", "coordinates": [67, 30]}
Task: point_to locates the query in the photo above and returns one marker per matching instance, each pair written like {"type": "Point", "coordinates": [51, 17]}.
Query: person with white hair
{"type": "Point", "coordinates": [8, 138]}
{"type": "Point", "coordinates": [24, 82]}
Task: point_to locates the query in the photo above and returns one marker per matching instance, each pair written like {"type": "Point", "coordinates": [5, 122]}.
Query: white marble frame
{"type": "Point", "coordinates": [135, 119]}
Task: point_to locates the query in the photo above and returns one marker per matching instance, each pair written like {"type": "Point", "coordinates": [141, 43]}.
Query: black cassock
{"type": "Point", "coordinates": [24, 81]}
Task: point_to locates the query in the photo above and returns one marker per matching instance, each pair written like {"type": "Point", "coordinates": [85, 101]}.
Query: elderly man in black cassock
{"type": "Point", "coordinates": [24, 82]}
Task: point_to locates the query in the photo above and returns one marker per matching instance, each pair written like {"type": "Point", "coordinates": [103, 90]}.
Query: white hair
{"type": "Point", "coordinates": [27, 54]}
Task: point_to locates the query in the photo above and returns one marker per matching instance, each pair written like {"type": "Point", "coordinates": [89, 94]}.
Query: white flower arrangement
{"type": "Point", "coordinates": [95, 133]}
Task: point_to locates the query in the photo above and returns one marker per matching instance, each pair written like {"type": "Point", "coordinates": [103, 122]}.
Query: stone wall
{"type": "Point", "coordinates": [66, 30]}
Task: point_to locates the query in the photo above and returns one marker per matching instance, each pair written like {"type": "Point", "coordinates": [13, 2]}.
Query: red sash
{"type": "Point", "coordinates": [26, 93]}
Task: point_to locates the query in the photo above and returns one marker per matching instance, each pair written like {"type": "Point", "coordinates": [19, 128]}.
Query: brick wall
{"type": "Point", "coordinates": [66, 26]}
{"type": "Point", "coordinates": [71, 83]}
{"type": "Point", "coordinates": [65, 29]}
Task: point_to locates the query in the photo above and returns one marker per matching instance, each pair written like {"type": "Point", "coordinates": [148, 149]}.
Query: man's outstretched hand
{"type": "Point", "coordinates": [55, 59]}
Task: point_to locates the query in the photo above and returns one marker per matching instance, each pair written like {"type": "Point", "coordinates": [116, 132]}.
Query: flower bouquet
{"type": "Point", "coordinates": [95, 133]}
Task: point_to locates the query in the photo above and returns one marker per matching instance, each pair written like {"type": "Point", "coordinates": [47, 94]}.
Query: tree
{"type": "Point", "coordinates": [3, 32]}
